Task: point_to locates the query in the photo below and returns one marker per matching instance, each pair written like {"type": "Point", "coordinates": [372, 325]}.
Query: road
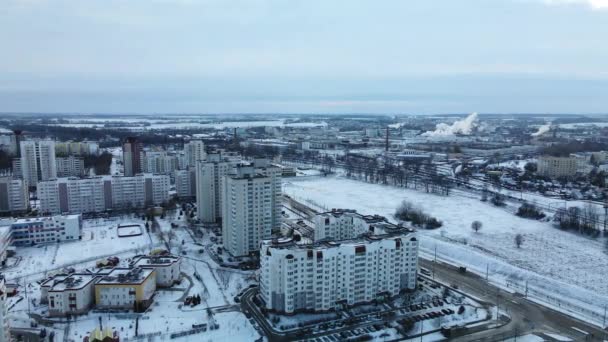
{"type": "Point", "coordinates": [527, 316]}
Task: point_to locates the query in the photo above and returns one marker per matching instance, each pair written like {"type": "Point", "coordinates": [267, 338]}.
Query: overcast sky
{"type": "Point", "coordinates": [296, 56]}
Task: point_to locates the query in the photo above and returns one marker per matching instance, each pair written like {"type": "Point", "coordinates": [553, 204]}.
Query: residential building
{"type": "Point", "coordinates": [42, 230]}
{"type": "Point", "coordinates": [5, 334]}
{"type": "Point", "coordinates": [5, 242]}
{"type": "Point", "coordinates": [14, 195]}
{"type": "Point", "coordinates": [126, 288]}
{"type": "Point", "coordinates": [329, 274]}
{"type": "Point", "coordinates": [250, 207]}
{"type": "Point", "coordinates": [132, 156]}
{"type": "Point", "coordinates": [101, 193]}
{"type": "Point", "coordinates": [38, 161]}
{"type": "Point", "coordinates": [195, 151]}
{"type": "Point", "coordinates": [185, 183]}
{"type": "Point", "coordinates": [8, 142]}
{"type": "Point", "coordinates": [70, 166]}
{"type": "Point", "coordinates": [167, 268]}
{"type": "Point", "coordinates": [159, 162]}
{"type": "Point", "coordinates": [556, 167]}
{"type": "Point", "coordinates": [77, 148]}
{"type": "Point", "coordinates": [71, 294]}
{"type": "Point", "coordinates": [209, 179]}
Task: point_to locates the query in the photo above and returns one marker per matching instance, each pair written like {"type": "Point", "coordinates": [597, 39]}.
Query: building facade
{"type": "Point", "coordinates": [556, 167]}
{"type": "Point", "coordinates": [195, 151]}
{"type": "Point", "coordinates": [185, 183]}
{"type": "Point", "coordinates": [5, 334]}
{"type": "Point", "coordinates": [72, 294]}
{"type": "Point", "coordinates": [37, 161]}
{"type": "Point", "coordinates": [77, 148]}
{"type": "Point", "coordinates": [250, 208]}
{"type": "Point", "coordinates": [167, 268]}
{"type": "Point", "coordinates": [132, 157]}
{"type": "Point", "coordinates": [41, 230]}
{"type": "Point", "coordinates": [101, 193]}
{"type": "Point", "coordinates": [329, 275]}
{"type": "Point", "coordinates": [14, 195]}
{"type": "Point", "coordinates": [209, 179]}
{"type": "Point", "coordinates": [70, 166]}
{"type": "Point", "coordinates": [126, 288]}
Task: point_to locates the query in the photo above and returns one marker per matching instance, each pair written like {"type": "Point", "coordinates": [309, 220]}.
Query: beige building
{"type": "Point", "coordinates": [69, 294]}
{"type": "Point", "coordinates": [556, 167]}
{"type": "Point", "coordinates": [126, 288]}
{"type": "Point", "coordinates": [167, 268]}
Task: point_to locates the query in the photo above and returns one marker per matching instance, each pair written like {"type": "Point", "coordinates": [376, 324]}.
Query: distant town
{"type": "Point", "coordinates": [460, 227]}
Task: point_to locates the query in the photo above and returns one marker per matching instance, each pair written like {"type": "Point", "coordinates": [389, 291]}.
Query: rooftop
{"type": "Point", "coordinates": [135, 275]}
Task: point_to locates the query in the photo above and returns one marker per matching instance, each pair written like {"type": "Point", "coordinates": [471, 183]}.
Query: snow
{"type": "Point", "coordinates": [567, 266]}
{"type": "Point", "coordinates": [141, 125]}
{"type": "Point", "coordinates": [99, 240]}
{"type": "Point", "coordinates": [558, 337]}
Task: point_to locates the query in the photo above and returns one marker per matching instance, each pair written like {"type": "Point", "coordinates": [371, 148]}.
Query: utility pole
{"type": "Point", "coordinates": [487, 272]}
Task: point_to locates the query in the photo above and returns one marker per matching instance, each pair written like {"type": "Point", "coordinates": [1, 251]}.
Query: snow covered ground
{"type": "Point", "coordinates": [566, 265]}
{"type": "Point", "coordinates": [99, 239]}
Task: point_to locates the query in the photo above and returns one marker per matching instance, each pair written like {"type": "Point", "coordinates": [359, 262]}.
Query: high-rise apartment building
{"type": "Point", "coordinates": [378, 261]}
{"type": "Point", "coordinates": [14, 195]}
{"type": "Point", "coordinates": [210, 176]}
{"type": "Point", "coordinates": [249, 207]}
{"type": "Point", "coordinates": [132, 156]}
{"type": "Point", "coordinates": [37, 161]}
{"type": "Point", "coordinates": [195, 151]}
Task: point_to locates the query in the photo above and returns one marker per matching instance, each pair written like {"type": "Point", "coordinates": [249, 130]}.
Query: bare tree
{"type": "Point", "coordinates": [519, 240]}
{"type": "Point", "coordinates": [476, 226]}
{"type": "Point", "coordinates": [224, 278]}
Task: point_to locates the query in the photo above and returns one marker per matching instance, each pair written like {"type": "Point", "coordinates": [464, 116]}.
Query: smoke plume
{"type": "Point", "coordinates": [464, 127]}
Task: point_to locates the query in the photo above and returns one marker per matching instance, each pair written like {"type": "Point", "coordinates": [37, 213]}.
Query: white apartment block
{"type": "Point", "coordinates": [159, 162]}
{"type": "Point", "coordinates": [38, 160]}
{"type": "Point", "coordinates": [328, 275]}
{"type": "Point", "coordinates": [43, 230]}
{"type": "Point", "coordinates": [70, 166]}
{"type": "Point", "coordinates": [101, 193]}
{"type": "Point", "coordinates": [195, 151]}
{"type": "Point", "coordinates": [5, 242]}
{"type": "Point", "coordinates": [14, 195]}
{"type": "Point", "coordinates": [210, 177]}
{"type": "Point", "coordinates": [249, 212]}
{"type": "Point", "coordinates": [185, 183]}
{"type": "Point", "coordinates": [556, 167]}
{"type": "Point", "coordinates": [72, 294]}
{"type": "Point", "coordinates": [341, 224]}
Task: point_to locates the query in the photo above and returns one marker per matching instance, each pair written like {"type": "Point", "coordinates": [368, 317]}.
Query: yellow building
{"type": "Point", "coordinates": [126, 288]}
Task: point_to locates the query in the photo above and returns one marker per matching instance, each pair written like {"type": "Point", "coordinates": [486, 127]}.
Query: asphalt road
{"type": "Point", "coordinates": [526, 316]}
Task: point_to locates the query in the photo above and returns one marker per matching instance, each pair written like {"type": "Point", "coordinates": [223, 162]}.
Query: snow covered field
{"type": "Point", "coordinates": [146, 124]}
{"type": "Point", "coordinates": [562, 263]}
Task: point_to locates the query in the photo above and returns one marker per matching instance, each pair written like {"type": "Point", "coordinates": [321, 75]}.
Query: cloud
{"type": "Point", "coordinates": [594, 4]}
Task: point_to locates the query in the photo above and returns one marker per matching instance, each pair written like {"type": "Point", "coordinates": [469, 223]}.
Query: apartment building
{"type": "Point", "coordinates": [77, 148]}
{"type": "Point", "coordinates": [209, 179]}
{"type": "Point", "coordinates": [329, 274]}
{"type": "Point", "coordinates": [14, 195]}
{"type": "Point", "coordinates": [70, 166]}
{"type": "Point", "coordinates": [341, 224]}
{"type": "Point", "coordinates": [71, 294]}
{"type": "Point", "coordinates": [556, 167]}
{"type": "Point", "coordinates": [41, 230]}
{"type": "Point", "coordinates": [126, 288]}
{"type": "Point", "coordinates": [37, 161]}
{"type": "Point", "coordinates": [5, 242]}
{"type": "Point", "coordinates": [167, 268]}
{"type": "Point", "coordinates": [101, 193]}
{"type": "Point", "coordinates": [249, 207]}
{"type": "Point", "coordinates": [194, 151]}
{"type": "Point", "coordinates": [185, 183]}
{"type": "Point", "coordinates": [159, 163]}
{"type": "Point", "coordinates": [132, 156]}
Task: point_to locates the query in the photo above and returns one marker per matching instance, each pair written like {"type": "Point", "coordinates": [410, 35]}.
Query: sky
{"type": "Point", "coordinates": [304, 56]}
